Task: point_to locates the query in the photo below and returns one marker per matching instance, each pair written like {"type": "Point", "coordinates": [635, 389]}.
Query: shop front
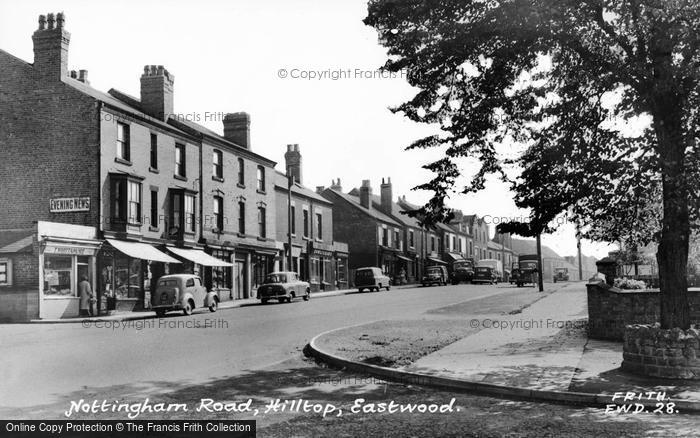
{"type": "Point", "coordinates": [217, 271]}
{"type": "Point", "coordinates": [127, 271]}
{"type": "Point", "coordinates": [321, 267]}
{"type": "Point", "coordinates": [68, 254]}
{"type": "Point", "coordinates": [388, 259]}
{"type": "Point", "coordinates": [340, 255]}
{"type": "Point", "coordinates": [404, 270]}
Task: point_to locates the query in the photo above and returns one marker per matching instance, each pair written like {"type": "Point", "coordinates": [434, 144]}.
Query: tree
{"type": "Point", "coordinates": [560, 77]}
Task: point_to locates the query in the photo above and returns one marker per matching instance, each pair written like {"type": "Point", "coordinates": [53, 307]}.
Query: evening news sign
{"type": "Point", "coordinates": [67, 205]}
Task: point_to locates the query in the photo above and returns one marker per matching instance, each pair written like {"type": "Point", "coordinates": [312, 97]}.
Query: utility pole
{"type": "Point", "coordinates": [578, 248]}
{"type": "Point", "coordinates": [290, 183]}
{"type": "Point", "coordinates": [540, 279]}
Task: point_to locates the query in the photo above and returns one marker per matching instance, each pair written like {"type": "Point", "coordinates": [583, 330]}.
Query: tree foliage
{"type": "Point", "coordinates": [562, 78]}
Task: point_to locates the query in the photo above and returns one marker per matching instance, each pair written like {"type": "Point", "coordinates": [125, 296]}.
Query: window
{"type": "Point", "coordinates": [319, 226]}
{"type": "Point", "coordinates": [180, 160]}
{"type": "Point", "coordinates": [134, 202]}
{"type": "Point", "coordinates": [154, 151]}
{"type": "Point", "coordinates": [218, 212]}
{"type": "Point", "coordinates": [411, 243]}
{"type": "Point", "coordinates": [123, 143]}
{"type": "Point", "coordinates": [262, 231]}
{"type": "Point", "coordinates": [241, 217]}
{"type": "Point", "coordinates": [217, 162]}
{"type": "Point", "coordinates": [471, 248]}
{"type": "Point", "coordinates": [221, 275]}
{"type": "Point", "coordinates": [154, 208]}
{"type": "Point", "coordinates": [261, 178]}
{"type": "Point", "coordinates": [189, 214]}
{"type": "Point", "coordinates": [306, 222]}
{"type": "Point", "coordinates": [397, 239]}
{"type": "Point", "coordinates": [58, 275]}
{"type": "Point", "coordinates": [241, 172]}
{"type": "Point", "coordinates": [5, 269]}
{"type": "Point", "coordinates": [432, 243]}
{"type": "Point", "coordinates": [293, 220]}
{"type": "Point", "coordinates": [454, 243]}
{"type": "Point", "coordinates": [385, 237]}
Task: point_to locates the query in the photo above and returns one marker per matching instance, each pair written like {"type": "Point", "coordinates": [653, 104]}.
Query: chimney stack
{"type": "Point", "coordinates": [157, 92]}
{"type": "Point", "coordinates": [366, 194]}
{"type": "Point", "coordinates": [320, 189]}
{"type": "Point", "coordinates": [82, 77]}
{"type": "Point", "coordinates": [293, 160]}
{"type": "Point", "coordinates": [386, 196]}
{"type": "Point", "coordinates": [51, 47]}
{"type": "Point", "coordinates": [335, 185]}
{"type": "Point", "coordinates": [237, 128]}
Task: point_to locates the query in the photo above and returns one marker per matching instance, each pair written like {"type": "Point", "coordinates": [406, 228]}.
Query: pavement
{"type": "Point", "coordinates": [542, 352]}
{"type": "Point", "coordinates": [145, 314]}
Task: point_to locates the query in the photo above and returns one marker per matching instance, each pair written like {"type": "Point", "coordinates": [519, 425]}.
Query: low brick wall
{"type": "Point", "coordinates": [652, 351]}
{"type": "Point", "coordinates": [611, 309]}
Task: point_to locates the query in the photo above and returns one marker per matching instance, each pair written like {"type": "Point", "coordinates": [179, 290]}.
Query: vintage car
{"type": "Point", "coordinates": [529, 270]}
{"type": "Point", "coordinates": [485, 274]}
{"type": "Point", "coordinates": [514, 274]}
{"type": "Point", "coordinates": [561, 274]}
{"type": "Point", "coordinates": [462, 270]}
{"type": "Point", "coordinates": [371, 278]}
{"type": "Point", "coordinates": [435, 275]}
{"type": "Point", "coordinates": [182, 292]}
{"type": "Point", "coordinates": [283, 286]}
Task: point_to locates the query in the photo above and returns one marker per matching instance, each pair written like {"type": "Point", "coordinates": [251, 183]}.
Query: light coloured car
{"type": "Point", "coordinates": [283, 286]}
{"type": "Point", "coordinates": [182, 292]}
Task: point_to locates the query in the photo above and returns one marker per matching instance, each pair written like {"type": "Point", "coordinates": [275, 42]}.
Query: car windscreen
{"type": "Point", "coordinates": [276, 278]}
{"type": "Point", "coordinates": [528, 265]}
{"type": "Point", "coordinates": [463, 265]}
{"type": "Point", "coordinates": [364, 273]}
{"type": "Point", "coordinates": [434, 270]}
{"type": "Point", "coordinates": [482, 269]}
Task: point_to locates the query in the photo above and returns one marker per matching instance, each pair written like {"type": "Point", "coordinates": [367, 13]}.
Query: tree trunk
{"type": "Point", "coordinates": [672, 255]}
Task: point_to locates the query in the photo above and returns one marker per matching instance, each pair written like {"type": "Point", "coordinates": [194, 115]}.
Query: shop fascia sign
{"type": "Point", "coordinates": [69, 250]}
{"type": "Point", "coordinates": [68, 205]}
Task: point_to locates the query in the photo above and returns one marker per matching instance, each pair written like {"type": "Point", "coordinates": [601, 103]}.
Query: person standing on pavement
{"type": "Point", "coordinates": [86, 296]}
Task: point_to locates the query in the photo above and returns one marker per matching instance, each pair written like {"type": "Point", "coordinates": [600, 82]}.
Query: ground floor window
{"type": "Point", "coordinates": [263, 264]}
{"type": "Point", "coordinates": [4, 272]}
{"type": "Point", "coordinates": [221, 275]}
{"type": "Point", "coordinates": [121, 276]}
{"type": "Point", "coordinates": [58, 275]}
{"type": "Point", "coordinates": [315, 269]}
{"type": "Point", "coordinates": [342, 270]}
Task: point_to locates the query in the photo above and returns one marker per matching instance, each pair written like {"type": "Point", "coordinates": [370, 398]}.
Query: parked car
{"type": "Point", "coordinates": [435, 275]}
{"type": "Point", "coordinates": [495, 265]}
{"type": "Point", "coordinates": [485, 274]}
{"type": "Point", "coordinates": [514, 273]}
{"type": "Point", "coordinates": [529, 270]}
{"type": "Point", "coordinates": [561, 274]}
{"type": "Point", "coordinates": [462, 270]}
{"type": "Point", "coordinates": [371, 278]}
{"type": "Point", "coordinates": [283, 286]}
{"type": "Point", "coordinates": [182, 292]}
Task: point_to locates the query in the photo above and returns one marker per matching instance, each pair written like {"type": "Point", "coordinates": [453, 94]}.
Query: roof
{"type": "Point", "coordinates": [372, 212]}
{"type": "Point", "coordinates": [396, 212]}
{"type": "Point", "coordinates": [16, 240]}
{"type": "Point", "coordinates": [281, 182]}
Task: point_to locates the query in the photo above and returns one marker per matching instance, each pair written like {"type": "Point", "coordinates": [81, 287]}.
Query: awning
{"type": "Point", "coordinates": [16, 241]}
{"type": "Point", "coordinates": [404, 258]}
{"type": "Point", "coordinates": [438, 261]}
{"type": "Point", "coordinates": [199, 257]}
{"type": "Point", "coordinates": [454, 257]}
{"type": "Point", "coordinates": [142, 251]}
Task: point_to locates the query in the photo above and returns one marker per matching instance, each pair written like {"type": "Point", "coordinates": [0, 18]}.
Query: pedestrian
{"type": "Point", "coordinates": [86, 296]}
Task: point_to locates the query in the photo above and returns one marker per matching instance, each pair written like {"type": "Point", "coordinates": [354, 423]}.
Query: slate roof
{"type": "Point", "coordinates": [373, 212]}
{"type": "Point", "coordinates": [396, 210]}
{"type": "Point", "coordinates": [297, 189]}
{"type": "Point", "coordinates": [12, 241]}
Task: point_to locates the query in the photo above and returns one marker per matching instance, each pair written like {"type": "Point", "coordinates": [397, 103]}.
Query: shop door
{"type": "Point", "coordinates": [240, 281]}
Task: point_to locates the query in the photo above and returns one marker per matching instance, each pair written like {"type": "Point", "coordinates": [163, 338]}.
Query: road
{"type": "Point", "coordinates": [256, 352]}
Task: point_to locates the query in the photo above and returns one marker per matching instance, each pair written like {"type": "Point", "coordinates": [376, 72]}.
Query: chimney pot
{"type": "Point", "coordinates": [60, 19]}
{"type": "Point", "coordinates": [292, 160]}
{"type": "Point", "coordinates": [42, 22]}
{"type": "Point", "coordinates": [83, 76]}
{"type": "Point", "coordinates": [51, 48]}
{"type": "Point", "coordinates": [157, 88]}
{"type": "Point", "coordinates": [51, 20]}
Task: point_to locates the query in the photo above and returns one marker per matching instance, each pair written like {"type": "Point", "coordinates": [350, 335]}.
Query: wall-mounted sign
{"type": "Point", "coordinates": [66, 205]}
{"type": "Point", "coordinates": [69, 250]}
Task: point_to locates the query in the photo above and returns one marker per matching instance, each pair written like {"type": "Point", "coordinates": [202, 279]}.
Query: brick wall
{"type": "Point", "coordinates": [50, 146]}
{"type": "Point", "coordinates": [611, 309]}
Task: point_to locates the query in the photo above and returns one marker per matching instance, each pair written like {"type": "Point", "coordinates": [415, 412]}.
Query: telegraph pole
{"type": "Point", "coordinates": [540, 279]}
{"type": "Point", "coordinates": [578, 247]}
{"type": "Point", "coordinates": [290, 183]}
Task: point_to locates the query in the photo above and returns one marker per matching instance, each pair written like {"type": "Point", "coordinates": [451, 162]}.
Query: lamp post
{"type": "Point", "coordinates": [290, 183]}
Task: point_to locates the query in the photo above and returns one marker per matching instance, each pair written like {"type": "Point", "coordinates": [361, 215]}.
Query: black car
{"type": "Point", "coordinates": [484, 274]}
{"type": "Point", "coordinates": [462, 270]}
{"type": "Point", "coordinates": [435, 275]}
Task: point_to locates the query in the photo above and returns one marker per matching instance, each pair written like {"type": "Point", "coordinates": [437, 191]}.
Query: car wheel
{"type": "Point", "coordinates": [214, 305]}
{"type": "Point", "coordinates": [378, 288]}
{"type": "Point", "coordinates": [264, 300]}
{"type": "Point", "coordinates": [282, 300]}
{"type": "Point", "coordinates": [290, 297]}
{"type": "Point", "coordinates": [160, 313]}
{"type": "Point", "coordinates": [187, 309]}
{"type": "Point", "coordinates": [360, 290]}
{"type": "Point", "coordinates": [388, 288]}
{"type": "Point", "coordinates": [307, 297]}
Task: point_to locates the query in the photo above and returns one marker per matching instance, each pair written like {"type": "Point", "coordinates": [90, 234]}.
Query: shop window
{"type": "Point", "coordinates": [58, 275]}
{"type": "Point", "coordinates": [217, 163]}
{"type": "Point", "coordinates": [221, 275]}
{"type": "Point", "coordinates": [5, 272]}
{"type": "Point", "coordinates": [263, 265]}
{"type": "Point", "coordinates": [180, 160]}
{"type": "Point", "coordinates": [123, 142]}
{"type": "Point", "coordinates": [342, 269]}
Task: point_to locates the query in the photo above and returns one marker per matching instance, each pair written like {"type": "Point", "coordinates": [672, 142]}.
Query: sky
{"type": "Point", "coordinates": [305, 70]}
